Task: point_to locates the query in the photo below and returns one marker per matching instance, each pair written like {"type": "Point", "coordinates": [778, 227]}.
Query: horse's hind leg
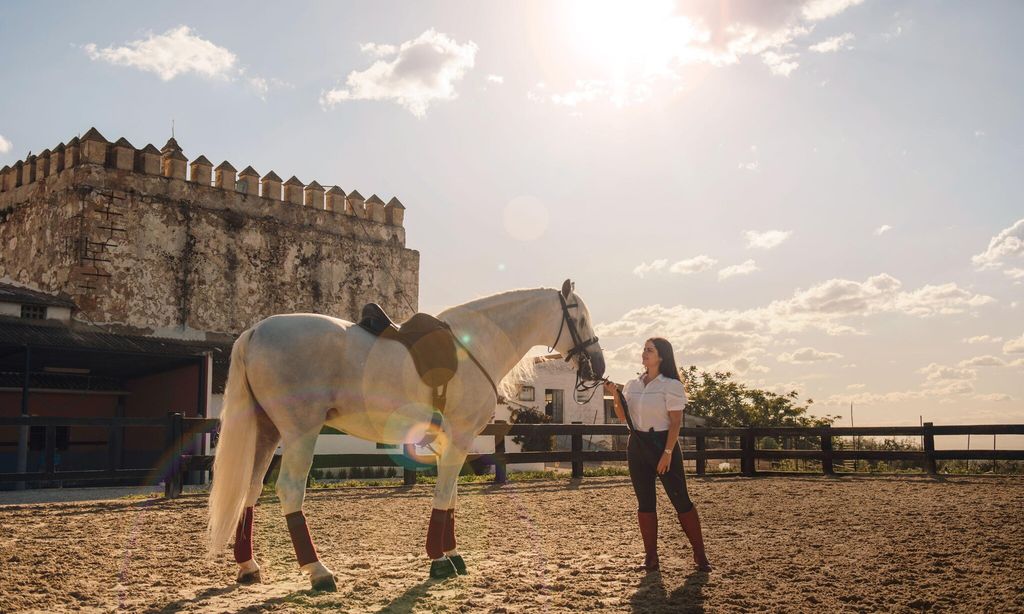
{"type": "Point", "coordinates": [445, 560]}
{"type": "Point", "coordinates": [267, 438]}
{"type": "Point", "coordinates": [296, 460]}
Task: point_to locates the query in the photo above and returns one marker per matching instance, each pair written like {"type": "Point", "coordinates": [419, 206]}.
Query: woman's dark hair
{"type": "Point", "coordinates": [668, 357]}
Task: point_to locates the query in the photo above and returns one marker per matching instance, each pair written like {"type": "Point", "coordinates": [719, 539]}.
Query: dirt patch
{"type": "Point", "coordinates": [852, 544]}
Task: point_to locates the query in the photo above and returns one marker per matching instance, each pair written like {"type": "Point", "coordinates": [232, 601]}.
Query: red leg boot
{"type": "Point", "coordinates": [649, 531]}
{"type": "Point", "coordinates": [690, 522]}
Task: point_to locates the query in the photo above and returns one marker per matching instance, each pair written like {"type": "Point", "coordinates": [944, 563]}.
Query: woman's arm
{"type": "Point", "coordinates": [675, 419]}
{"type": "Point", "coordinates": [612, 390]}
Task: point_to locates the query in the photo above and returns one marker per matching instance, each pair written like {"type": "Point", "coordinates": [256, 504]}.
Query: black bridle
{"type": "Point", "coordinates": [585, 376]}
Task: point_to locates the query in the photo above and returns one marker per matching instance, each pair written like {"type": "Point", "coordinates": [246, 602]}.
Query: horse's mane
{"type": "Point", "coordinates": [493, 300]}
{"type": "Point", "coordinates": [524, 371]}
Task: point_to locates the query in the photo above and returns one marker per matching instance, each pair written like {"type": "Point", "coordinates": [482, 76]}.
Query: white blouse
{"type": "Point", "coordinates": [649, 405]}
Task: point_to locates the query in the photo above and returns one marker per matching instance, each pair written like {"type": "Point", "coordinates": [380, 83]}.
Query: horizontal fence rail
{"type": "Point", "coordinates": [181, 432]}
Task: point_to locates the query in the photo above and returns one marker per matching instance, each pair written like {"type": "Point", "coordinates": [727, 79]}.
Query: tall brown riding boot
{"type": "Point", "coordinates": [690, 522]}
{"type": "Point", "coordinates": [649, 531]}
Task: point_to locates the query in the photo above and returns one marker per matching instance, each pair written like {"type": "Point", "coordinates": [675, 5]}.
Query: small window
{"type": "Point", "coordinates": [527, 393]}
{"type": "Point", "coordinates": [609, 412]}
{"type": "Point", "coordinates": [33, 312]}
{"type": "Point", "coordinates": [387, 446]}
{"type": "Point", "coordinates": [37, 438]}
{"type": "Point", "coordinates": [553, 405]}
{"type": "Point", "coordinates": [583, 396]}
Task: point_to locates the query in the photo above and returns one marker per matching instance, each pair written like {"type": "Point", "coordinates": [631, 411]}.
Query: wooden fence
{"type": "Point", "coordinates": [181, 433]}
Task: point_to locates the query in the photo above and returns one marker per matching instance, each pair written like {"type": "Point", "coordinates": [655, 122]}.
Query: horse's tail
{"type": "Point", "coordinates": [236, 451]}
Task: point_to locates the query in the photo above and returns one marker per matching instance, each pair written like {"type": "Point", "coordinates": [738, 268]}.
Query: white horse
{"type": "Point", "coordinates": [292, 374]}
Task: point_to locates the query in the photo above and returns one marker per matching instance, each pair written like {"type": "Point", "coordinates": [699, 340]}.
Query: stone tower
{"type": "Point", "coordinates": [145, 242]}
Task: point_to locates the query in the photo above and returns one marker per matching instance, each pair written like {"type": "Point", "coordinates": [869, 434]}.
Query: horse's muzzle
{"type": "Point", "coordinates": [592, 366]}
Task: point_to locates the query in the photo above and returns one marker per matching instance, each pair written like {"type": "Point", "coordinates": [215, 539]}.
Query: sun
{"type": "Point", "coordinates": [629, 39]}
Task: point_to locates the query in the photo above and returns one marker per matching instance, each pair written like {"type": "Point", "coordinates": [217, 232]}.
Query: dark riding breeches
{"type": "Point", "coordinates": [644, 451]}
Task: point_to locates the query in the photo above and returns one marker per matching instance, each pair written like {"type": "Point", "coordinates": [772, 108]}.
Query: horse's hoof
{"type": "Point", "coordinates": [325, 584]}
{"type": "Point", "coordinates": [253, 577]}
{"type": "Point", "coordinates": [459, 563]}
{"type": "Point", "coordinates": [443, 569]}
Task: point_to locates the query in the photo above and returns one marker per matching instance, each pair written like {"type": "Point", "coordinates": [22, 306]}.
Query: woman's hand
{"type": "Point", "coordinates": [663, 464]}
{"type": "Point", "coordinates": [610, 388]}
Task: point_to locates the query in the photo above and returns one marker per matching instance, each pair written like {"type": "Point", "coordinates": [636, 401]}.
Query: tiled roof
{"type": "Point", "coordinates": [24, 296]}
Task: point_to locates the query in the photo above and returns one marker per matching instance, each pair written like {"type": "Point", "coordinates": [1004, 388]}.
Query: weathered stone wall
{"type": "Point", "coordinates": [161, 254]}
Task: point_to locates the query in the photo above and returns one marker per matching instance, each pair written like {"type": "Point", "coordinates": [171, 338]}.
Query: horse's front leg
{"type": "Point", "coordinates": [445, 559]}
{"type": "Point", "coordinates": [296, 459]}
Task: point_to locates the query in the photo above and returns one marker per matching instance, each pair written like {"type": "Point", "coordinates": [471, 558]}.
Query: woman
{"type": "Point", "coordinates": [655, 401]}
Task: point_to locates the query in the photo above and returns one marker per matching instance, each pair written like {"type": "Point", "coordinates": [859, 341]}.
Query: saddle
{"type": "Point", "coordinates": [428, 340]}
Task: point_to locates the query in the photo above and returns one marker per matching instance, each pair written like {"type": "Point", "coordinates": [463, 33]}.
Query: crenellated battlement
{"type": "Point", "coordinates": [151, 242]}
{"type": "Point", "coordinates": [23, 181]}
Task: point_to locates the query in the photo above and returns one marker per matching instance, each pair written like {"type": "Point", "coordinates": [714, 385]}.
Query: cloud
{"type": "Point", "coordinates": [881, 230]}
{"type": "Point", "coordinates": [1014, 346]}
{"type": "Point", "coordinates": [880, 293]}
{"type": "Point", "coordinates": [739, 338]}
{"type": "Point", "coordinates": [944, 299]}
{"type": "Point", "coordinates": [262, 86]}
{"type": "Point", "coordinates": [755, 28]}
{"type": "Point", "coordinates": [828, 307]}
{"type": "Point", "coordinates": [5, 145]}
{"type": "Point", "coordinates": [746, 268]}
{"type": "Point", "coordinates": [651, 44]}
{"type": "Point", "coordinates": [982, 339]}
{"type": "Point", "coordinates": [780, 63]}
{"type": "Point", "coordinates": [175, 52]}
{"type": "Point", "coordinates": [807, 355]}
{"type": "Point", "coordinates": [833, 44]}
{"type": "Point", "coordinates": [749, 166]}
{"type": "Point", "coordinates": [816, 10]}
{"type": "Point", "coordinates": [619, 92]}
{"type": "Point", "coordinates": [496, 79]}
{"type": "Point", "coordinates": [938, 373]}
{"type": "Point", "coordinates": [994, 397]}
{"type": "Point", "coordinates": [419, 73]}
{"type": "Point", "coordinates": [1009, 243]}
{"type": "Point", "coordinates": [767, 239]}
{"type": "Point", "coordinates": [378, 50]}
{"type": "Point", "coordinates": [644, 268]}
{"type": "Point", "coordinates": [1011, 273]}
{"type": "Point", "coordinates": [697, 264]}
{"type": "Point", "coordinates": [982, 361]}
{"type": "Point", "coordinates": [946, 380]}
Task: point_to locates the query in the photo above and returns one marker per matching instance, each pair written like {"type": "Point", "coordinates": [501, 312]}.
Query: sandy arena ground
{"type": "Point", "coordinates": [780, 544]}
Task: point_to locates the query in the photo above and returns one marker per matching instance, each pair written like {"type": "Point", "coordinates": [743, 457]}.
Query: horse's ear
{"type": "Point", "coordinates": [567, 287]}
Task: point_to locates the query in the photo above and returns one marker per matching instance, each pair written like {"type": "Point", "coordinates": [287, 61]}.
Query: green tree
{"type": "Point", "coordinates": [532, 443]}
{"type": "Point", "coordinates": [726, 402]}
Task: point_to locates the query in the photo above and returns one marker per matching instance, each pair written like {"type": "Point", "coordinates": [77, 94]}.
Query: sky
{"type": "Point", "coordinates": [816, 195]}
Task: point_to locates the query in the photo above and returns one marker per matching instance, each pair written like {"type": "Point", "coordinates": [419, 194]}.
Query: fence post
{"type": "Point", "coordinates": [577, 454]}
{"type": "Point", "coordinates": [50, 449]}
{"type": "Point", "coordinates": [409, 469]}
{"type": "Point", "coordinates": [172, 483]}
{"type": "Point", "coordinates": [500, 467]}
{"type": "Point", "coordinates": [702, 446]}
{"type": "Point", "coordinates": [747, 452]}
{"type": "Point", "coordinates": [826, 450]}
{"type": "Point", "coordinates": [929, 449]}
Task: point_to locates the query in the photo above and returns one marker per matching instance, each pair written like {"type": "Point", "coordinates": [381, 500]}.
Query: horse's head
{"type": "Point", "coordinates": [576, 339]}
